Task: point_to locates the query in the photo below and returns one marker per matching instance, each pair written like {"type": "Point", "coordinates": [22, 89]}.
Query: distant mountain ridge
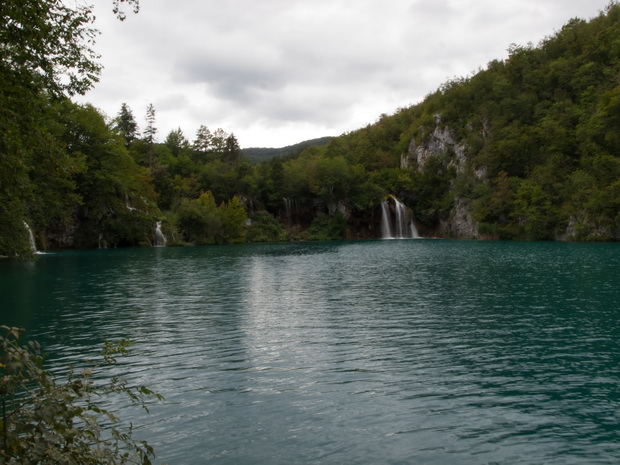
{"type": "Point", "coordinates": [258, 154]}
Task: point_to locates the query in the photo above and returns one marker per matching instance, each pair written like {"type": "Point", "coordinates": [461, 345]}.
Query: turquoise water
{"type": "Point", "coordinates": [402, 351]}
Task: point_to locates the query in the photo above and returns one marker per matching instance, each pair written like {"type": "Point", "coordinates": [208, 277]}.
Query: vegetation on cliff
{"type": "Point", "coordinates": [526, 148]}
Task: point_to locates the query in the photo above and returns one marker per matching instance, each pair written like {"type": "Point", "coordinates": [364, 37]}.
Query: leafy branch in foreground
{"type": "Point", "coordinates": [49, 422]}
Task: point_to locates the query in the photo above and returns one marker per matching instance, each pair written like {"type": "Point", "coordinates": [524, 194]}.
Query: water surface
{"type": "Point", "coordinates": [404, 351]}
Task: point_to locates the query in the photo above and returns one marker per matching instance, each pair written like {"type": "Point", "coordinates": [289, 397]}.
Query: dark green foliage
{"type": "Point", "coordinates": [47, 421]}
{"type": "Point", "coordinates": [117, 199]}
{"type": "Point", "coordinates": [201, 221]}
{"type": "Point", "coordinates": [526, 148]}
{"type": "Point", "coordinates": [234, 221]}
{"type": "Point", "coordinates": [232, 153]}
{"type": "Point", "coordinates": [45, 54]}
{"type": "Point", "coordinates": [327, 228]}
{"type": "Point", "coordinates": [46, 46]}
{"type": "Point", "coordinates": [537, 128]}
{"type": "Point", "coordinates": [125, 125]}
{"type": "Point", "coordinates": [198, 219]}
{"type": "Point", "coordinates": [265, 228]}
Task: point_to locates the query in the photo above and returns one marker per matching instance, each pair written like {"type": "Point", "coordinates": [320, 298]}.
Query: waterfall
{"type": "Point", "coordinates": [160, 239]}
{"type": "Point", "coordinates": [128, 206]}
{"type": "Point", "coordinates": [290, 205]}
{"type": "Point", "coordinates": [398, 225]}
{"type": "Point", "coordinates": [386, 229]}
{"type": "Point", "coordinates": [102, 242]}
{"type": "Point", "coordinates": [287, 210]}
{"type": "Point", "coordinates": [33, 244]}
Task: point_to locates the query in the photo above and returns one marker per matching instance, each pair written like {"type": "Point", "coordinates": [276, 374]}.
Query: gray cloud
{"type": "Point", "coordinates": [275, 72]}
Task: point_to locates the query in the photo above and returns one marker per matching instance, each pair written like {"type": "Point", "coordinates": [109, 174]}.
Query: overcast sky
{"type": "Point", "coordinates": [277, 72]}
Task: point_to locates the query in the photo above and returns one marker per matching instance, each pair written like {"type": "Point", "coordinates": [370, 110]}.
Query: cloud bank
{"type": "Point", "coordinates": [277, 72]}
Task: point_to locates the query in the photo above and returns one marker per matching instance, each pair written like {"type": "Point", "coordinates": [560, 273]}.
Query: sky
{"type": "Point", "coordinates": [278, 72]}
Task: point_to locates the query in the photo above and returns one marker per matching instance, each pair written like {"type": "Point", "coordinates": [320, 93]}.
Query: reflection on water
{"type": "Point", "coordinates": [369, 352]}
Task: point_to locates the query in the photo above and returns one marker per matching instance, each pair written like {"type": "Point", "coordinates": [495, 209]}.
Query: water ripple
{"type": "Point", "coordinates": [376, 352]}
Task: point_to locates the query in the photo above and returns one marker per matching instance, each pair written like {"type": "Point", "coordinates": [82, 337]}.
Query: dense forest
{"type": "Point", "coordinates": [526, 148]}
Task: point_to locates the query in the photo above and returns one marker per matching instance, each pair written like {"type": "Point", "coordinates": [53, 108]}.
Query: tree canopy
{"type": "Point", "coordinates": [526, 148]}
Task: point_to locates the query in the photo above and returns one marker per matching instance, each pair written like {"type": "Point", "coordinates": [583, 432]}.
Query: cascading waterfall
{"type": "Point", "coordinates": [386, 228]}
{"type": "Point", "coordinates": [287, 210]}
{"type": "Point", "coordinates": [33, 244]}
{"type": "Point", "coordinates": [404, 220]}
{"type": "Point", "coordinates": [398, 225]}
{"type": "Point", "coordinates": [290, 205]}
{"type": "Point", "coordinates": [160, 239]}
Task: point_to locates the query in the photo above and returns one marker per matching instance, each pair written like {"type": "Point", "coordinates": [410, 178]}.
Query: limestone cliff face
{"type": "Point", "coordinates": [460, 223]}
{"type": "Point", "coordinates": [442, 143]}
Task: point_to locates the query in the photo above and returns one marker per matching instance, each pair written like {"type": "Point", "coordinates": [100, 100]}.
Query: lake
{"type": "Point", "coordinates": [391, 352]}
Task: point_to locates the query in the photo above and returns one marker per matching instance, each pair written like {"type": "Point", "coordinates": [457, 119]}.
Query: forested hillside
{"type": "Point", "coordinates": [526, 148]}
{"type": "Point", "coordinates": [258, 154]}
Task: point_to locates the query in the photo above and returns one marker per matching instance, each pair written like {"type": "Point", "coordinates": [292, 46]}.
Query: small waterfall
{"type": "Point", "coordinates": [290, 205]}
{"type": "Point", "coordinates": [33, 244]}
{"type": "Point", "coordinates": [386, 228]}
{"type": "Point", "coordinates": [399, 225]}
{"type": "Point", "coordinates": [160, 239]}
{"type": "Point", "coordinates": [102, 242]}
{"type": "Point", "coordinates": [128, 206]}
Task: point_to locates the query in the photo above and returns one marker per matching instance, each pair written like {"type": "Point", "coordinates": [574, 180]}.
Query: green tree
{"type": "Point", "coordinates": [232, 153]}
{"type": "Point", "coordinates": [265, 228]}
{"type": "Point", "coordinates": [45, 53]}
{"type": "Point", "coordinates": [329, 178]}
{"type": "Point", "coordinates": [55, 194]}
{"type": "Point", "coordinates": [220, 178]}
{"type": "Point", "coordinates": [327, 227]}
{"type": "Point", "coordinates": [202, 144]}
{"type": "Point", "coordinates": [199, 220]}
{"type": "Point", "coordinates": [118, 200]}
{"type": "Point", "coordinates": [534, 211]}
{"type": "Point", "coordinates": [176, 142]}
{"type": "Point", "coordinates": [234, 221]}
{"type": "Point", "coordinates": [46, 46]}
{"type": "Point", "coordinates": [218, 143]}
{"type": "Point", "coordinates": [149, 134]}
{"type": "Point", "coordinates": [125, 125]}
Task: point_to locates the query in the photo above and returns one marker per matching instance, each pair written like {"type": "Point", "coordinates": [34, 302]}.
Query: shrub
{"type": "Point", "coordinates": [49, 422]}
{"type": "Point", "coordinates": [327, 228]}
{"type": "Point", "coordinates": [265, 228]}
